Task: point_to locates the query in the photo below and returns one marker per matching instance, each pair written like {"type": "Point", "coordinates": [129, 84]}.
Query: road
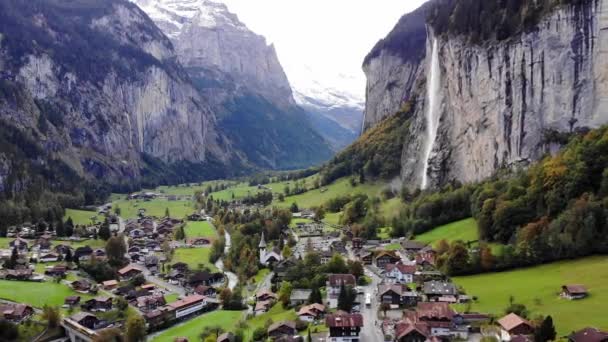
{"type": "Point", "coordinates": [233, 280]}
{"type": "Point", "coordinates": [371, 331]}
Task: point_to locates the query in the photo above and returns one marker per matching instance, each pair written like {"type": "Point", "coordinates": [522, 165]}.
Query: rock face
{"type": "Point", "coordinates": [100, 91]}
{"type": "Point", "coordinates": [500, 98]}
{"type": "Point", "coordinates": [240, 74]}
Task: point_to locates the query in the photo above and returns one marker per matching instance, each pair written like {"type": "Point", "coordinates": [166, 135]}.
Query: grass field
{"type": "Point", "coordinates": [538, 289]}
{"type": "Point", "coordinates": [200, 229]}
{"type": "Point", "coordinates": [82, 216]}
{"type": "Point", "coordinates": [276, 314]}
{"type": "Point", "coordinates": [36, 294]}
{"type": "Point", "coordinates": [171, 297]}
{"type": "Point", "coordinates": [193, 328]}
{"type": "Point", "coordinates": [177, 209]}
{"type": "Point", "coordinates": [465, 230]}
{"type": "Point", "coordinates": [4, 243]}
{"type": "Point", "coordinates": [194, 257]}
{"type": "Point", "coordinates": [389, 209]}
{"type": "Point", "coordinates": [332, 218]}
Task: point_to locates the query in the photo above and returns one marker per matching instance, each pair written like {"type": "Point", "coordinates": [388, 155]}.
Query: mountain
{"type": "Point", "coordinates": [491, 85]}
{"type": "Point", "coordinates": [238, 72]}
{"type": "Point", "coordinates": [91, 91]}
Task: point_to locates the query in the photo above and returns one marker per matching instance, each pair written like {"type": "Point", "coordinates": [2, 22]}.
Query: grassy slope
{"type": "Point", "coordinates": [465, 230]}
{"type": "Point", "coordinates": [276, 314]}
{"type": "Point", "coordinates": [194, 257]}
{"type": "Point", "coordinates": [4, 243]}
{"type": "Point", "coordinates": [36, 294]}
{"type": "Point", "coordinates": [177, 209]}
{"type": "Point", "coordinates": [538, 287]}
{"type": "Point", "coordinates": [81, 216]}
{"type": "Point", "coordinates": [192, 328]}
{"type": "Point", "coordinates": [200, 229]}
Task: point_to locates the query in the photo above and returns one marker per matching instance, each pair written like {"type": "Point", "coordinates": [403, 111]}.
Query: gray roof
{"type": "Point", "coordinates": [439, 288]}
{"type": "Point", "coordinates": [300, 294]}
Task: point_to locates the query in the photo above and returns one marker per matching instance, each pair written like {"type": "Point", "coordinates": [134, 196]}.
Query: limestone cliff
{"type": "Point", "coordinates": [500, 97]}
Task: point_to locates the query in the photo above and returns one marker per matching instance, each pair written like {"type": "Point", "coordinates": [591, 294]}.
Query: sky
{"type": "Point", "coordinates": [323, 41]}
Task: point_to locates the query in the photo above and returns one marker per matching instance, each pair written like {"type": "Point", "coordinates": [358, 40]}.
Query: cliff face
{"type": "Point", "coordinates": [99, 91]}
{"type": "Point", "coordinates": [240, 75]}
{"type": "Point", "coordinates": [499, 98]}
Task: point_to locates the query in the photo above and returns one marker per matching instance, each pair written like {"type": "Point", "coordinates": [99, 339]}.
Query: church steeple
{"type": "Point", "coordinates": [262, 242]}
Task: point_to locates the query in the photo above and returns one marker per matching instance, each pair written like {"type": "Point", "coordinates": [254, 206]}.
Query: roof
{"type": "Point", "coordinates": [225, 337]}
{"type": "Point", "coordinates": [387, 254]}
{"type": "Point", "coordinates": [265, 293]}
{"type": "Point", "coordinates": [275, 326]}
{"type": "Point", "coordinates": [262, 305]}
{"type": "Point", "coordinates": [110, 283]}
{"type": "Point", "coordinates": [575, 288]}
{"type": "Point", "coordinates": [344, 320]}
{"type": "Point", "coordinates": [439, 288]}
{"type": "Point", "coordinates": [410, 244]}
{"type": "Point", "coordinates": [336, 280]}
{"type": "Point", "coordinates": [79, 316]}
{"type": "Point", "coordinates": [589, 335]}
{"type": "Point", "coordinates": [300, 294]}
{"type": "Point", "coordinates": [405, 328]}
{"type": "Point", "coordinates": [262, 242]}
{"type": "Point", "coordinates": [403, 269]}
{"type": "Point", "coordinates": [311, 310]}
{"type": "Point", "coordinates": [511, 321]}
{"type": "Point", "coordinates": [128, 269]}
{"type": "Point", "coordinates": [434, 310]}
{"type": "Point", "coordinates": [397, 288]}
{"type": "Point", "coordinates": [186, 301]}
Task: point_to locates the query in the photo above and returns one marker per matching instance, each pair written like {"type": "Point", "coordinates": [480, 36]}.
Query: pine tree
{"type": "Point", "coordinates": [315, 296]}
{"type": "Point", "coordinates": [546, 331]}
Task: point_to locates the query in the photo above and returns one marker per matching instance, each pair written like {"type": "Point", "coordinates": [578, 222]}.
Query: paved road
{"type": "Point", "coordinates": [371, 331]}
{"type": "Point", "coordinates": [233, 280]}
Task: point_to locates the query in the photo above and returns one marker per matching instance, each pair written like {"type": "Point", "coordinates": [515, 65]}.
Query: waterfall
{"type": "Point", "coordinates": [432, 112]}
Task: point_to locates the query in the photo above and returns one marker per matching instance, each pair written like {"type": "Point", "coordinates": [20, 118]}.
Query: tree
{"type": "Point", "coordinates": [309, 337]}
{"type": "Point", "coordinates": [516, 308]}
{"type": "Point", "coordinates": [356, 268]}
{"type": "Point", "coordinates": [8, 331]}
{"type": "Point", "coordinates": [116, 249]}
{"type": "Point", "coordinates": [180, 234]}
{"type": "Point", "coordinates": [315, 296]}
{"type": "Point", "coordinates": [52, 316]}
{"type": "Point", "coordinates": [135, 328]}
{"type": "Point", "coordinates": [12, 261]}
{"type": "Point", "coordinates": [546, 331]}
{"type": "Point", "coordinates": [346, 298]}
{"type": "Point", "coordinates": [285, 293]}
{"type": "Point", "coordinates": [319, 213]}
{"type": "Point", "coordinates": [117, 211]}
{"type": "Point", "coordinates": [225, 296]}
{"type": "Point", "coordinates": [104, 231]}
{"type": "Point", "coordinates": [167, 213]}
{"type": "Point", "coordinates": [287, 252]}
{"type": "Point", "coordinates": [260, 334]}
{"type": "Point", "coordinates": [68, 255]}
{"type": "Point", "coordinates": [294, 208]}
{"type": "Point", "coordinates": [69, 227]}
{"type": "Point", "coordinates": [487, 259]}
{"type": "Point", "coordinates": [121, 303]}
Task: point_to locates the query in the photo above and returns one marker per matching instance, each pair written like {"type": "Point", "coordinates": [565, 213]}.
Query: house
{"type": "Point", "coordinates": [99, 253]}
{"type": "Point", "coordinates": [109, 284]}
{"type": "Point", "coordinates": [589, 335]}
{"type": "Point", "coordinates": [284, 328]}
{"type": "Point", "coordinates": [71, 301]}
{"type": "Point", "coordinates": [199, 241]}
{"type": "Point", "coordinates": [400, 273]}
{"type": "Point", "coordinates": [396, 294]}
{"type": "Point", "coordinates": [205, 278]}
{"type": "Point", "coordinates": [262, 306]}
{"type": "Point", "coordinates": [15, 312]}
{"type": "Point", "coordinates": [188, 305]}
{"type": "Point", "coordinates": [151, 262]}
{"type": "Point", "coordinates": [128, 272]}
{"type": "Point", "coordinates": [512, 325]}
{"type": "Point", "coordinates": [344, 327]}
{"type": "Point", "coordinates": [19, 243]}
{"type": "Point", "coordinates": [19, 274]}
{"type": "Point", "coordinates": [367, 258]}
{"type": "Point", "coordinates": [196, 217]}
{"type": "Point", "coordinates": [312, 312]}
{"type": "Point", "coordinates": [282, 267]}
{"type": "Point", "coordinates": [226, 337]}
{"type": "Point", "coordinates": [205, 291]}
{"type": "Point", "coordinates": [325, 257]}
{"type": "Point", "coordinates": [63, 249]}
{"type": "Point", "coordinates": [159, 317]}
{"type": "Point", "coordinates": [264, 295]}
{"type": "Point", "coordinates": [437, 316]}
{"type": "Point", "coordinates": [49, 257]}
{"type": "Point", "coordinates": [98, 304]}
{"type": "Point", "coordinates": [572, 292]}
{"type": "Point", "coordinates": [56, 271]}
{"type": "Point", "coordinates": [384, 258]}
{"type": "Point", "coordinates": [180, 266]}
{"type": "Point", "coordinates": [412, 332]}
{"type": "Point", "coordinates": [81, 285]}
{"type": "Point", "coordinates": [436, 291]}
{"type": "Point", "coordinates": [334, 285]}
{"type": "Point", "coordinates": [426, 257]}
{"type": "Point", "coordinates": [83, 253]}
{"type": "Point", "coordinates": [299, 296]}
{"type": "Point", "coordinates": [149, 303]}
{"type": "Point", "coordinates": [357, 243]}
{"type": "Point", "coordinates": [412, 247]}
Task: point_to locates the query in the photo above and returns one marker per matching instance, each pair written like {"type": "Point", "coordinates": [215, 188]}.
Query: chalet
{"type": "Point", "coordinates": [325, 256]}
{"type": "Point", "coordinates": [83, 253]}
{"type": "Point", "coordinates": [149, 303]}
{"type": "Point", "coordinates": [588, 335]}
{"type": "Point", "coordinates": [15, 312]}
{"type": "Point", "coordinates": [129, 272]}
{"type": "Point", "coordinates": [412, 247]}
{"type": "Point", "coordinates": [188, 305]}
{"type": "Point", "coordinates": [199, 241]}
{"type": "Point", "coordinates": [299, 296]}
{"type": "Point", "coordinates": [196, 217]}
{"type": "Point", "coordinates": [159, 317]}
{"type": "Point", "coordinates": [312, 312]}
{"type": "Point", "coordinates": [98, 304]}
{"type": "Point", "coordinates": [207, 291]}
{"type": "Point", "coordinates": [338, 247]}
{"type": "Point", "coordinates": [63, 249]}
{"type": "Point", "coordinates": [395, 294]}
{"type": "Point", "coordinates": [344, 327]}
{"type": "Point", "coordinates": [180, 266]}
{"type": "Point", "coordinates": [49, 257]}
{"type": "Point", "coordinates": [574, 291]}
{"type": "Point", "coordinates": [19, 243]}
{"type": "Point", "coordinates": [43, 244]}
{"type": "Point", "coordinates": [110, 284]}
{"type": "Point", "coordinates": [512, 325]}
{"type": "Point", "coordinates": [384, 258]}
{"type": "Point", "coordinates": [175, 276]}
{"type": "Point", "coordinates": [408, 331]}
{"type": "Point", "coordinates": [281, 268]}
{"type": "Point", "coordinates": [83, 326]}
{"type": "Point", "coordinates": [400, 273]}
{"type": "Point", "coordinates": [438, 317]}
{"type": "Point", "coordinates": [99, 253]}
{"type": "Point", "coordinates": [151, 262]}
{"type": "Point", "coordinates": [357, 243]}
{"type": "Point", "coordinates": [264, 295]}
{"type": "Point", "coordinates": [426, 257]}
{"type": "Point", "coordinates": [134, 249]}
{"type": "Point", "coordinates": [367, 258]}
{"type": "Point", "coordinates": [226, 337]}
{"type": "Point", "coordinates": [56, 271]}
{"type": "Point", "coordinates": [205, 278]}
{"type": "Point", "coordinates": [279, 329]}
{"type": "Point", "coordinates": [81, 285]}
{"type": "Point", "coordinates": [71, 301]}
{"type": "Point", "coordinates": [262, 306]}
{"type": "Point", "coordinates": [436, 291]}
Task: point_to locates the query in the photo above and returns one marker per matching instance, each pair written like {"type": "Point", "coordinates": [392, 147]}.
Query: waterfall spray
{"type": "Point", "coordinates": [432, 113]}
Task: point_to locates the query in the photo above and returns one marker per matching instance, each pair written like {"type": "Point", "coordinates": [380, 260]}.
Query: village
{"type": "Point", "coordinates": [388, 290]}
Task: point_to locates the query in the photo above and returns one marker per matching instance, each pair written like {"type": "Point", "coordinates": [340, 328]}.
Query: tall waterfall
{"type": "Point", "coordinates": [432, 112]}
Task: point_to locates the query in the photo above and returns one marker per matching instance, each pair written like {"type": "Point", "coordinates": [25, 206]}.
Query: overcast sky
{"type": "Point", "coordinates": [323, 40]}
